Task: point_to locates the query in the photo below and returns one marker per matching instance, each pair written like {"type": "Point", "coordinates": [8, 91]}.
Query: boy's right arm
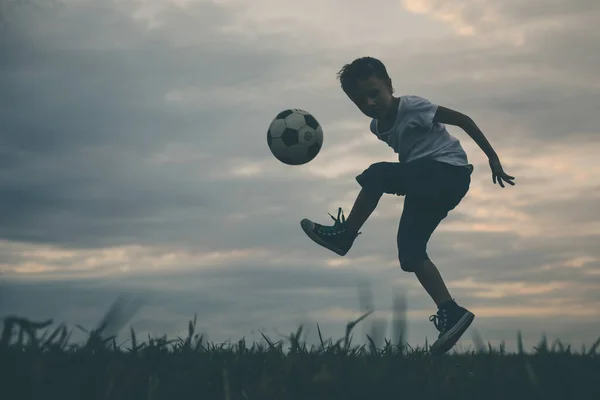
{"type": "Point", "coordinates": [448, 116]}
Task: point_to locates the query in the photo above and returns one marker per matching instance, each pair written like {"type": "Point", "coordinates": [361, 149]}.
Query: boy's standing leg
{"type": "Point", "coordinates": [433, 283]}
{"type": "Point", "coordinates": [420, 218]}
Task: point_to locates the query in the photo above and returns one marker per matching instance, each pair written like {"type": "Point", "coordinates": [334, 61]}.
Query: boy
{"type": "Point", "coordinates": [432, 173]}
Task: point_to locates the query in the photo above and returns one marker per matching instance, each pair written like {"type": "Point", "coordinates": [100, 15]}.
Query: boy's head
{"type": "Point", "coordinates": [368, 85]}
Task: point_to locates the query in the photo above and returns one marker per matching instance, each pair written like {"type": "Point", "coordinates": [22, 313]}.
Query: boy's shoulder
{"type": "Point", "coordinates": [413, 111]}
{"type": "Point", "coordinates": [415, 107]}
{"type": "Point", "coordinates": [410, 101]}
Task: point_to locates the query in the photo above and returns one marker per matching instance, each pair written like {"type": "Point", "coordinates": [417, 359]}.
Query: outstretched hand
{"type": "Point", "coordinates": [498, 174]}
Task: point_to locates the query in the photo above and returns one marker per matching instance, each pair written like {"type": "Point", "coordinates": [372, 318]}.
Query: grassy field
{"type": "Point", "coordinates": [37, 361]}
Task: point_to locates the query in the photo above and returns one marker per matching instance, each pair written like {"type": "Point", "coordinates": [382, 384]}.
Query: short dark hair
{"type": "Point", "coordinates": [361, 69]}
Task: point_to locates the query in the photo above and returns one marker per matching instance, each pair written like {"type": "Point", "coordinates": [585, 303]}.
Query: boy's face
{"type": "Point", "coordinates": [373, 97]}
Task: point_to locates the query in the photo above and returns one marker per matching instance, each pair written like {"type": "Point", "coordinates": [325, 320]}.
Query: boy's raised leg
{"type": "Point", "coordinates": [364, 205]}
{"type": "Point", "coordinates": [340, 236]}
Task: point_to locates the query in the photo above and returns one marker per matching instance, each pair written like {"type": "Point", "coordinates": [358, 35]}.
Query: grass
{"type": "Point", "coordinates": [38, 362]}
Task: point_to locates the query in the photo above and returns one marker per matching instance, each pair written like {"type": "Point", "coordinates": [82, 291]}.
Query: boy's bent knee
{"type": "Point", "coordinates": [377, 178]}
{"type": "Point", "coordinates": [411, 263]}
{"type": "Point", "coordinates": [379, 167]}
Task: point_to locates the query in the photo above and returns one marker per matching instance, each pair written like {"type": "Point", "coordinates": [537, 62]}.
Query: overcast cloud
{"type": "Point", "coordinates": [133, 160]}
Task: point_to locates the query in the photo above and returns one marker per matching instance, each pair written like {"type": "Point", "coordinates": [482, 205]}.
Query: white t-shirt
{"type": "Point", "coordinates": [414, 136]}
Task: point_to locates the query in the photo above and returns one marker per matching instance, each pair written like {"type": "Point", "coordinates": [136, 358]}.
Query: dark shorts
{"type": "Point", "coordinates": [431, 189]}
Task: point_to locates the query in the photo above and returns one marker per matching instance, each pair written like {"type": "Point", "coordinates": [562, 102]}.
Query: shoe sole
{"type": "Point", "coordinates": [446, 342]}
{"type": "Point", "coordinates": [307, 227]}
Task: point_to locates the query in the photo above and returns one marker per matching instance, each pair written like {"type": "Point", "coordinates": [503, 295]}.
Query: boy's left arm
{"type": "Point", "coordinates": [448, 116]}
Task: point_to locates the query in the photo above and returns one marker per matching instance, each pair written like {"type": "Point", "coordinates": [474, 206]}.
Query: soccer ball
{"type": "Point", "coordinates": [295, 137]}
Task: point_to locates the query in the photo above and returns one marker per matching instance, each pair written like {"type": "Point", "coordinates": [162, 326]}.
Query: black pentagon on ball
{"type": "Point", "coordinates": [311, 121]}
{"type": "Point", "coordinates": [312, 151]}
{"type": "Point", "coordinates": [269, 138]}
{"type": "Point", "coordinates": [284, 114]}
{"type": "Point", "coordinates": [290, 137]}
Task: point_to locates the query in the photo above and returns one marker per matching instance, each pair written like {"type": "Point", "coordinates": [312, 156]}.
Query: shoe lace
{"type": "Point", "coordinates": [440, 320]}
{"type": "Point", "coordinates": [338, 225]}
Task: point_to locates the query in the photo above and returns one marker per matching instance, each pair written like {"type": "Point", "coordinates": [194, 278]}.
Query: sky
{"type": "Point", "coordinates": [134, 162]}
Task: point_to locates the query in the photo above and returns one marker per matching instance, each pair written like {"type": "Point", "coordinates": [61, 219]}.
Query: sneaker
{"type": "Point", "coordinates": [335, 238]}
{"type": "Point", "coordinates": [451, 321]}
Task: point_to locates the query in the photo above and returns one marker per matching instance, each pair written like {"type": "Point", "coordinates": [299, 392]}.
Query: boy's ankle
{"type": "Point", "coordinates": [350, 226]}
{"type": "Point", "coordinates": [351, 230]}
{"type": "Point", "coordinates": [448, 304]}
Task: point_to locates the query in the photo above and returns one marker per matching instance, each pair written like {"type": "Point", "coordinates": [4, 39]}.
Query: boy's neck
{"type": "Point", "coordinates": [392, 112]}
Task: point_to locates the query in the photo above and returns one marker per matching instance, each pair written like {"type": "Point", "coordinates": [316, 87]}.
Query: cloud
{"type": "Point", "coordinates": [133, 158]}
